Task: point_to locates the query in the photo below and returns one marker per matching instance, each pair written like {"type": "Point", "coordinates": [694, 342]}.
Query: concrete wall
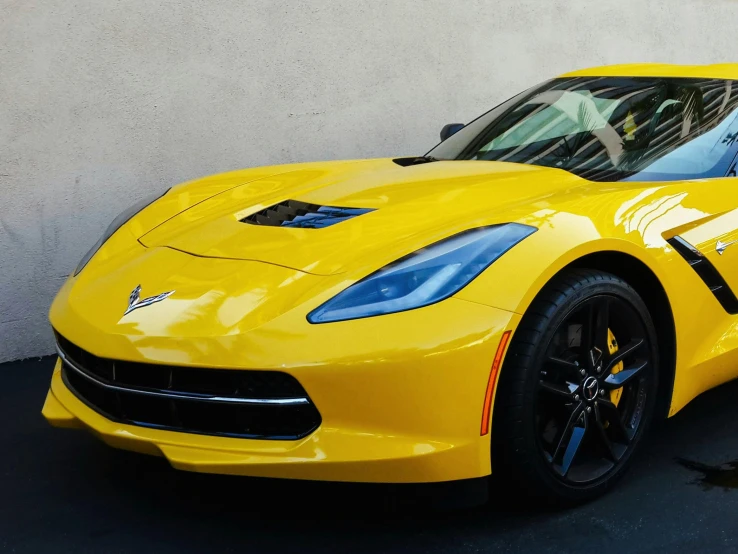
{"type": "Point", "coordinates": [104, 100]}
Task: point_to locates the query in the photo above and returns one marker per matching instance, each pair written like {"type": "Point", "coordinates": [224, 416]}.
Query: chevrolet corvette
{"type": "Point", "coordinates": [524, 299]}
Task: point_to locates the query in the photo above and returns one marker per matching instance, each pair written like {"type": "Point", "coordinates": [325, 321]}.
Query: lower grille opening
{"type": "Point", "coordinates": [233, 403]}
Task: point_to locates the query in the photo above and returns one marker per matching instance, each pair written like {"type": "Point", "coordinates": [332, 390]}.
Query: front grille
{"type": "Point", "coordinates": [294, 213]}
{"type": "Point", "coordinates": [234, 403]}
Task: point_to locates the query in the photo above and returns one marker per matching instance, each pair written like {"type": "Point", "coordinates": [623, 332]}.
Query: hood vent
{"type": "Point", "coordinates": [293, 213]}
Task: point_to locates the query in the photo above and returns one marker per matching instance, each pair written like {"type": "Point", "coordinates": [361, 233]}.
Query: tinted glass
{"type": "Point", "coordinates": [610, 129]}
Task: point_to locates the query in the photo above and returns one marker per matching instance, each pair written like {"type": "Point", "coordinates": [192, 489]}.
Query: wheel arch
{"type": "Point", "coordinates": [648, 286]}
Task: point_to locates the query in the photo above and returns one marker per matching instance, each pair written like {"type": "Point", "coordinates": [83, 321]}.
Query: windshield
{"type": "Point", "coordinates": [610, 129]}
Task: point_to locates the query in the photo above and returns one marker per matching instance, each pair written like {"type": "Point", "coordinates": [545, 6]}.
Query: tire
{"type": "Point", "coordinates": [530, 451]}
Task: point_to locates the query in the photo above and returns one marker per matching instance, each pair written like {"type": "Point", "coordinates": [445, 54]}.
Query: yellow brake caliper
{"type": "Point", "coordinates": [612, 345]}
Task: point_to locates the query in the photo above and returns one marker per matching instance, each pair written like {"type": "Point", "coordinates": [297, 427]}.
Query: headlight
{"type": "Point", "coordinates": [115, 225]}
{"type": "Point", "coordinates": [423, 277]}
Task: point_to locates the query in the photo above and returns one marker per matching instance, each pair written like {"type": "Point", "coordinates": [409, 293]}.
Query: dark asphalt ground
{"type": "Point", "coordinates": [63, 491]}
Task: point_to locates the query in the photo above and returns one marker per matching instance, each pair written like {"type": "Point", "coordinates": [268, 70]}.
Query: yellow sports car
{"type": "Point", "coordinates": [524, 299]}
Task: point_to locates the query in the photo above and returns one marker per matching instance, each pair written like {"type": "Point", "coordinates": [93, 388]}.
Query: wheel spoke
{"type": "Point", "coordinates": [571, 367]}
{"type": "Point", "coordinates": [622, 378]}
{"type": "Point", "coordinates": [576, 413]}
{"type": "Point", "coordinates": [571, 440]}
{"type": "Point", "coordinates": [573, 437]}
{"type": "Point", "coordinates": [588, 328]}
{"type": "Point", "coordinates": [577, 436]}
{"type": "Point", "coordinates": [601, 322]}
{"type": "Point", "coordinates": [566, 391]}
{"type": "Point", "coordinates": [611, 413]}
{"type": "Point", "coordinates": [609, 449]}
{"type": "Point", "coordinates": [631, 348]}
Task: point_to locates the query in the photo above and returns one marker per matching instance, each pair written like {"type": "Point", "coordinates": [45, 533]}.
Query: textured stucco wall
{"type": "Point", "coordinates": [104, 100]}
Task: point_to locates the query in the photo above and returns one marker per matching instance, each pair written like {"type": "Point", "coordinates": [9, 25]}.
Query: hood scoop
{"type": "Point", "coordinates": [301, 215]}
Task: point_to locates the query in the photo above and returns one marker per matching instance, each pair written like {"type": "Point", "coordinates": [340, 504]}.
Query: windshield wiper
{"type": "Point", "coordinates": [417, 160]}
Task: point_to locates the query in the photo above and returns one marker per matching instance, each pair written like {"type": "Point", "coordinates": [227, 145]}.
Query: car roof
{"type": "Point", "coordinates": [717, 71]}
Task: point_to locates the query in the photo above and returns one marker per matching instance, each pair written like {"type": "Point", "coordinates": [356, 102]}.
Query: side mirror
{"type": "Point", "coordinates": [450, 129]}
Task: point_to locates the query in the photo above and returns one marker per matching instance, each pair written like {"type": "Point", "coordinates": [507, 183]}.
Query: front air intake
{"type": "Point", "coordinates": [250, 404]}
{"type": "Point", "coordinates": [294, 213]}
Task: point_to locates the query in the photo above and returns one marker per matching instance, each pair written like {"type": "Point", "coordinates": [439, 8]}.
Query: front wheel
{"type": "Point", "coordinates": [577, 390]}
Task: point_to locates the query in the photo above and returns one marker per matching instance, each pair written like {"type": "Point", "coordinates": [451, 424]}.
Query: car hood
{"type": "Point", "coordinates": [407, 208]}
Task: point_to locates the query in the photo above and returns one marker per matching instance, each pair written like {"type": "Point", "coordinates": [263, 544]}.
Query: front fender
{"type": "Point", "coordinates": [513, 281]}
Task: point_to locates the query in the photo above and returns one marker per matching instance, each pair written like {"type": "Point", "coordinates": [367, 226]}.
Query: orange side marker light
{"type": "Point", "coordinates": [493, 380]}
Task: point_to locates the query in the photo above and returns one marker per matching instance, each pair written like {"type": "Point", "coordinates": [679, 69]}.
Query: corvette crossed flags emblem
{"type": "Point", "coordinates": [134, 302]}
{"type": "Point", "coordinates": [723, 246]}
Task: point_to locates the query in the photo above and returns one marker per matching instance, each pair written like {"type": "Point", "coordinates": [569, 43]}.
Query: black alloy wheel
{"type": "Point", "coordinates": [577, 389]}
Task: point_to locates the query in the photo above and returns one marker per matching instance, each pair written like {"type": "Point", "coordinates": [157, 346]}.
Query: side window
{"type": "Point", "coordinates": [710, 154]}
{"type": "Point", "coordinates": [693, 134]}
{"type": "Point", "coordinates": [732, 140]}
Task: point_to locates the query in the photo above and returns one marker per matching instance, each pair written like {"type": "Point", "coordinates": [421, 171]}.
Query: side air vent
{"type": "Point", "coordinates": [708, 273]}
{"type": "Point", "coordinates": [293, 213]}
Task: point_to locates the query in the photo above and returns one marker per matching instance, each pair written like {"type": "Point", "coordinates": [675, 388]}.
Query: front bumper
{"type": "Point", "coordinates": [401, 396]}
